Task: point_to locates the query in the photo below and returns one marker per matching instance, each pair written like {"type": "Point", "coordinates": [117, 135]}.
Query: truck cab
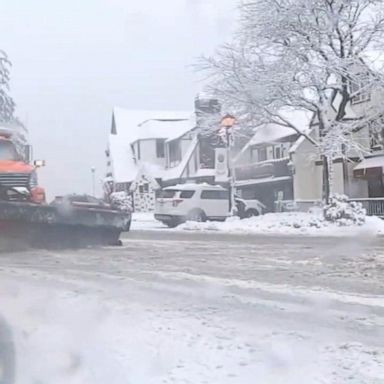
{"type": "Point", "coordinates": [18, 178]}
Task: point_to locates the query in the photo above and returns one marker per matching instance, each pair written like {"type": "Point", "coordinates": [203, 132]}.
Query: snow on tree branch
{"type": "Point", "coordinates": [7, 106]}
{"type": "Point", "coordinates": [300, 54]}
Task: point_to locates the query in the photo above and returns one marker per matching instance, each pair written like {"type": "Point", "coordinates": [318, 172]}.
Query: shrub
{"type": "Point", "coordinates": [121, 200]}
{"type": "Point", "coordinates": [344, 212]}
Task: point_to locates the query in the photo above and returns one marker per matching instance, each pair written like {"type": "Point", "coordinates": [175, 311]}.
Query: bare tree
{"type": "Point", "coordinates": [308, 55]}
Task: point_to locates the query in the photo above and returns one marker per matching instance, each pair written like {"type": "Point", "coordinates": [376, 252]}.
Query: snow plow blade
{"type": "Point", "coordinates": [61, 226]}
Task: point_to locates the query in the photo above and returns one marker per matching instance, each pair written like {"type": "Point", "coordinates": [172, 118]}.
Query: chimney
{"type": "Point", "coordinates": [206, 105]}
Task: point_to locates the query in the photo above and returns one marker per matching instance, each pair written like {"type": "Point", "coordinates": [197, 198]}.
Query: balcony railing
{"type": "Point", "coordinates": [373, 206]}
{"type": "Point", "coordinates": [275, 167]}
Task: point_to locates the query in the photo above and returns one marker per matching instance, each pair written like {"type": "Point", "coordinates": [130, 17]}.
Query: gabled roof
{"type": "Point", "coordinates": [166, 129]}
{"type": "Point", "coordinates": [269, 133]}
{"type": "Point", "coordinates": [272, 132]}
{"type": "Point", "coordinates": [133, 125]}
{"type": "Point", "coordinates": [129, 126]}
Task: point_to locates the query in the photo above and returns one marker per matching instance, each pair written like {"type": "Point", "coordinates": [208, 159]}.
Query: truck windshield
{"type": "Point", "coordinates": [7, 151]}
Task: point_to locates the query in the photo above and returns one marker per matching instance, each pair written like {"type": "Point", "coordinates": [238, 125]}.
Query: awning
{"type": "Point", "coordinates": [370, 168]}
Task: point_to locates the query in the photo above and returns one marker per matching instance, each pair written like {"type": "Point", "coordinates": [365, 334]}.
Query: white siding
{"type": "Point", "coordinates": [355, 188]}
{"type": "Point", "coordinates": [307, 178]}
{"type": "Point", "coordinates": [185, 144]}
{"type": "Point", "coordinates": [338, 178]}
{"type": "Point", "coordinates": [148, 152]}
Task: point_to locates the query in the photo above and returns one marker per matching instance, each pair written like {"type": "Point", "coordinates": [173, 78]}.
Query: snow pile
{"type": "Point", "coordinates": [145, 221]}
{"type": "Point", "coordinates": [343, 212]}
{"type": "Point", "coordinates": [121, 200]}
{"type": "Point", "coordinates": [287, 223]}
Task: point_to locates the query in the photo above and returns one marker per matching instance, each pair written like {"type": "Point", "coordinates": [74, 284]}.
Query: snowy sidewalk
{"type": "Point", "coordinates": [295, 223]}
{"type": "Point", "coordinates": [145, 221]}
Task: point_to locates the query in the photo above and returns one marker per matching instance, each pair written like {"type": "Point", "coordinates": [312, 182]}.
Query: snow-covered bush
{"type": "Point", "coordinates": [121, 200]}
{"type": "Point", "coordinates": [344, 212]}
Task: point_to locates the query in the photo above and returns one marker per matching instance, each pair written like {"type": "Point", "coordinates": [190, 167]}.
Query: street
{"type": "Point", "coordinates": [172, 307]}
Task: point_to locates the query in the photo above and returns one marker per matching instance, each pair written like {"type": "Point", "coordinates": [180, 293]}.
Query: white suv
{"type": "Point", "coordinates": [195, 202]}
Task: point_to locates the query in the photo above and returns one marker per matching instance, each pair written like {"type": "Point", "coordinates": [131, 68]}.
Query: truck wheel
{"type": "Point", "coordinates": [171, 224]}
{"type": "Point", "coordinates": [197, 215]}
{"type": "Point", "coordinates": [251, 213]}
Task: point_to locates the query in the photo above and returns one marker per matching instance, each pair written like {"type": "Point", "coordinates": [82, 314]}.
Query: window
{"type": "Point", "coordinates": [7, 151]}
{"type": "Point", "coordinates": [254, 154]}
{"type": "Point", "coordinates": [168, 193]}
{"type": "Point", "coordinates": [284, 151]}
{"type": "Point", "coordinates": [277, 153]}
{"type": "Point", "coordinates": [186, 194]}
{"type": "Point", "coordinates": [214, 195]}
{"type": "Point", "coordinates": [174, 152]}
{"type": "Point", "coordinates": [262, 154]}
{"type": "Point", "coordinates": [144, 188]}
{"type": "Point", "coordinates": [359, 89]}
{"type": "Point", "coordinates": [160, 145]}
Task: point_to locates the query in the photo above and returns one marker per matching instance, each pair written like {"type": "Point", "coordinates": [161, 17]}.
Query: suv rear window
{"type": "Point", "coordinates": [214, 195]}
{"type": "Point", "coordinates": [186, 194]}
{"type": "Point", "coordinates": [168, 193]}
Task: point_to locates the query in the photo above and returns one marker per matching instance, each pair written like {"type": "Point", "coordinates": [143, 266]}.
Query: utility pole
{"type": "Point", "coordinates": [228, 122]}
{"type": "Point", "coordinates": [93, 170]}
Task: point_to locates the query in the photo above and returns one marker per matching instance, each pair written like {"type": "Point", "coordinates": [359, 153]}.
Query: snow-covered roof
{"type": "Point", "coordinates": [133, 125]}
{"type": "Point", "coordinates": [165, 129]}
{"type": "Point", "coordinates": [123, 162]}
{"type": "Point", "coordinates": [371, 162]}
{"type": "Point", "coordinates": [271, 132]}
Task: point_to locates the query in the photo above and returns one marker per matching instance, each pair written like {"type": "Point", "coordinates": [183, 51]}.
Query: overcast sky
{"type": "Point", "coordinates": [74, 60]}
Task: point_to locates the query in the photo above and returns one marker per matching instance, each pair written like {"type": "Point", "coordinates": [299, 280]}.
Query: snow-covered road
{"type": "Point", "coordinates": [199, 308]}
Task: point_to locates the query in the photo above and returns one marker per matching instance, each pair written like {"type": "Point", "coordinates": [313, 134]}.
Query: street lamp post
{"type": "Point", "coordinates": [93, 170]}
{"type": "Point", "coordinates": [227, 122]}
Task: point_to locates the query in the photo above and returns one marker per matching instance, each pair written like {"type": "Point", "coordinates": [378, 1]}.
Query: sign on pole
{"type": "Point", "coordinates": [221, 165]}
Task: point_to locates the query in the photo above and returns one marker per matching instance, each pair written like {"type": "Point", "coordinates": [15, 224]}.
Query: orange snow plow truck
{"type": "Point", "coordinates": [18, 178]}
{"type": "Point", "coordinates": [69, 221]}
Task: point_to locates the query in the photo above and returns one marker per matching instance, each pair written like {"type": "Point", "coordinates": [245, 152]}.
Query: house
{"type": "Point", "coordinates": [280, 166]}
{"type": "Point", "coordinates": [136, 154]}
{"type": "Point", "coordinates": [359, 174]}
{"type": "Point", "coordinates": [263, 168]}
{"type": "Point", "coordinates": [152, 149]}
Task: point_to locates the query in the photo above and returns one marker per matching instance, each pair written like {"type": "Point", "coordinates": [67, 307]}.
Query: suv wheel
{"type": "Point", "coordinates": [251, 213]}
{"type": "Point", "coordinates": [171, 224]}
{"type": "Point", "coordinates": [196, 215]}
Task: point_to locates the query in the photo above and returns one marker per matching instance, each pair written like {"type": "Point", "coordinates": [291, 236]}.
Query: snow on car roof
{"type": "Point", "coordinates": [188, 186]}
